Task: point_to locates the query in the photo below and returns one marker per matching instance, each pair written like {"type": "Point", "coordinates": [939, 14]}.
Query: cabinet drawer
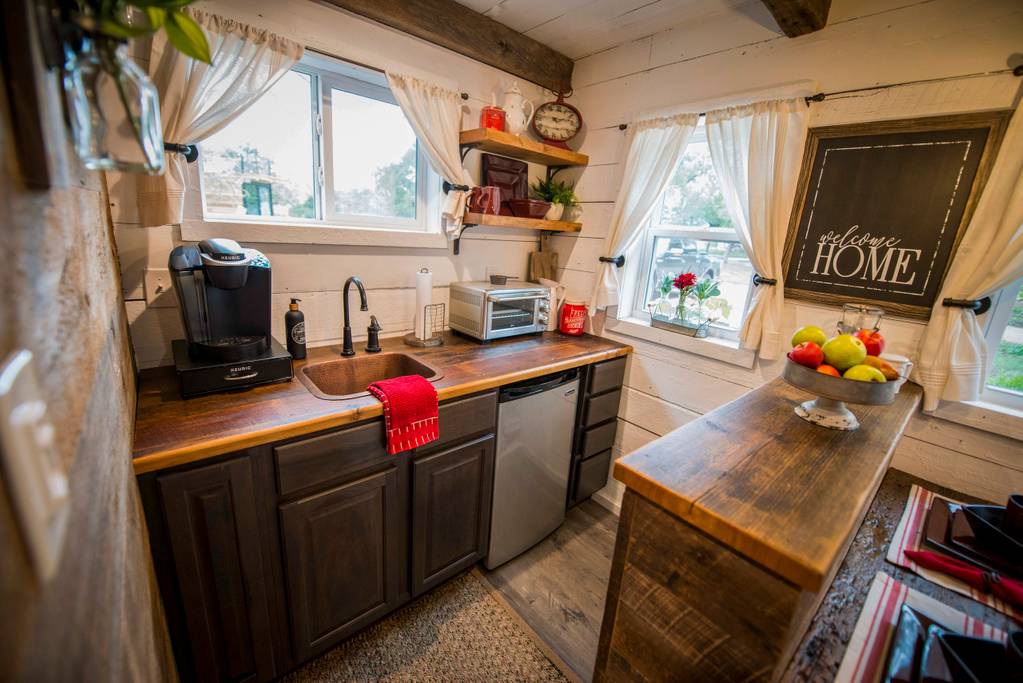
{"type": "Point", "coordinates": [325, 458]}
{"type": "Point", "coordinates": [591, 475]}
{"type": "Point", "coordinates": [607, 375]}
{"type": "Point", "coordinates": [465, 418]}
{"type": "Point", "coordinates": [597, 439]}
{"type": "Point", "coordinates": [601, 408]}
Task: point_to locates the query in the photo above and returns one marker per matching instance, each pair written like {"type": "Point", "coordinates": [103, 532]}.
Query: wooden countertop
{"type": "Point", "coordinates": [781, 491]}
{"type": "Point", "coordinates": [171, 431]}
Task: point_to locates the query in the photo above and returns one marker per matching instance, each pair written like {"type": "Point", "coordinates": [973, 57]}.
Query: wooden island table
{"type": "Point", "coordinates": [732, 528]}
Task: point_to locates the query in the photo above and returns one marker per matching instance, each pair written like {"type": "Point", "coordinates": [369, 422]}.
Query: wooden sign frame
{"type": "Point", "coordinates": [994, 121]}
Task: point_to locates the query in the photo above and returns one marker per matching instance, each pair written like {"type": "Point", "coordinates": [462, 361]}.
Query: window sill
{"type": "Point", "coordinates": [988, 417]}
{"type": "Point", "coordinates": [304, 233]}
{"type": "Point", "coordinates": [724, 350]}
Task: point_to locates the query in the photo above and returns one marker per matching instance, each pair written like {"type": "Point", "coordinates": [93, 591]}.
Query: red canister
{"type": "Point", "coordinates": [573, 317]}
{"type": "Point", "coordinates": [492, 117]}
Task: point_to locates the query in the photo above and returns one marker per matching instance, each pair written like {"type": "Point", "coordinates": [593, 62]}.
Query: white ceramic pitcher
{"type": "Point", "coordinates": [515, 103]}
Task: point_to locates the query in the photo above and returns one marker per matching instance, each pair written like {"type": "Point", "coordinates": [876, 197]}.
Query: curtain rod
{"type": "Point", "coordinates": [369, 67]}
{"type": "Point", "coordinates": [821, 96]}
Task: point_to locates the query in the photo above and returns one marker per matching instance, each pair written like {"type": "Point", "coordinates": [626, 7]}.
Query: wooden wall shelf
{"type": "Point", "coordinates": [495, 221]}
{"type": "Point", "coordinates": [498, 142]}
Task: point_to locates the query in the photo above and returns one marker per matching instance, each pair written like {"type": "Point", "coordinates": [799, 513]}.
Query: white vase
{"type": "Point", "coordinates": [554, 213]}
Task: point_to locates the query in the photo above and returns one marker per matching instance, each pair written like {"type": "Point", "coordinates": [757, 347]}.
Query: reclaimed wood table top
{"type": "Point", "coordinates": [171, 431]}
{"type": "Point", "coordinates": [775, 488]}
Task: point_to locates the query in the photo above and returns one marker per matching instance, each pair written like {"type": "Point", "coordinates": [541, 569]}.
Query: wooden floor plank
{"type": "Point", "coordinates": [558, 587]}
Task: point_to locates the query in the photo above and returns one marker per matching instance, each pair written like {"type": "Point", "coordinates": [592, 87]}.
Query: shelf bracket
{"type": "Point", "coordinates": [465, 149]}
{"type": "Point", "coordinates": [458, 237]}
{"type": "Point", "coordinates": [553, 171]}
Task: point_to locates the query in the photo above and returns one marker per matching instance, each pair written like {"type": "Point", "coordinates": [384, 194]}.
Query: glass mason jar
{"type": "Point", "coordinates": [114, 108]}
{"type": "Point", "coordinates": [856, 317]}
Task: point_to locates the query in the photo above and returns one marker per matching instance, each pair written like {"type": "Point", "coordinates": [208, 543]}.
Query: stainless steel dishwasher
{"type": "Point", "coordinates": [535, 420]}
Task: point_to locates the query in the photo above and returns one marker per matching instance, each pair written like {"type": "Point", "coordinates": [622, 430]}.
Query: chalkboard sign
{"type": "Point", "coordinates": [881, 208]}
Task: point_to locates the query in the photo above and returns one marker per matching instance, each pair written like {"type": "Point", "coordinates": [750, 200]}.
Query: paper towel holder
{"type": "Point", "coordinates": [432, 321]}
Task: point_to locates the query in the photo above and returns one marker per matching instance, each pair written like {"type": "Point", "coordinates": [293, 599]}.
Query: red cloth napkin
{"type": "Point", "coordinates": [1001, 587]}
{"type": "Point", "coordinates": [410, 411]}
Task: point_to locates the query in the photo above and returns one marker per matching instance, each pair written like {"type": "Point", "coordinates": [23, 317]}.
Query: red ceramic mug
{"type": "Point", "coordinates": [485, 200]}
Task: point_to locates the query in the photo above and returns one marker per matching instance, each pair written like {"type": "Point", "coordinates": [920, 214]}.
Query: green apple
{"type": "Point", "coordinates": [810, 333]}
{"type": "Point", "coordinates": [844, 351]}
{"type": "Point", "coordinates": [864, 373]}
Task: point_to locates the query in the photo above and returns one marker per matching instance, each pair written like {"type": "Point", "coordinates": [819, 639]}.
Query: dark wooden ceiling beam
{"type": "Point", "coordinates": [469, 33]}
{"type": "Point", "coordinates": [799, 17]}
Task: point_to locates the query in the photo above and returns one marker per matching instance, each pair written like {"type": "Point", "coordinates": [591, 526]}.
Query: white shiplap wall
{"type": "Point", "coordinates": [316, 273]}
{"type": "Point", "coordinates": [865, 44]}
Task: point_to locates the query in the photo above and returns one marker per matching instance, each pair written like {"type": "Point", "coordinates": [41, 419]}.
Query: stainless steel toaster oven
{"type": "Point", "coordinates": [487, 311]}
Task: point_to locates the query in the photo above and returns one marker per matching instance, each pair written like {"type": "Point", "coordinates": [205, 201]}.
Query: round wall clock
{"type": "Point", "coordinates": [557, 122]}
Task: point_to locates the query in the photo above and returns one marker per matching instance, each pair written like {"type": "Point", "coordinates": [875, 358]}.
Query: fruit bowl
{"type": "Point", "coordinates": [829, 409]}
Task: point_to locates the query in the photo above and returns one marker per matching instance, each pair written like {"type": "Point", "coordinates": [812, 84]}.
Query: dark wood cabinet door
{"type": "Point", "coordinates": [210, 514]}
{"type": "Point", "coordinates": [342, 556]}
{"type": "Point", "coordinates": [451, 496]}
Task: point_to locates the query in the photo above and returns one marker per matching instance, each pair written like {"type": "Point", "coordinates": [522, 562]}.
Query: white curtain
{"type": "Point", "coordinates": [197, 99]}
{"type": "Point", "coordinates": [953, 357]}
{"type": "Point", "coordinates": [435, 114]}
{"type": "Point", "coordinates": [757, 150]}
{"type": "Point", "coordinates": [654, 148]}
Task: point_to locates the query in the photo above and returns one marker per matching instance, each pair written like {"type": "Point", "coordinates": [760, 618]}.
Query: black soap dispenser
{"type": "Point", "coordinates": [373, 333]}
{"type": "Point", "coordinates": [294, 330]}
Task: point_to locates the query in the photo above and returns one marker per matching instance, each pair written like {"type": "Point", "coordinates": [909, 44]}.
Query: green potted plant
{"type": "Point", "coordinates": [561, 195]}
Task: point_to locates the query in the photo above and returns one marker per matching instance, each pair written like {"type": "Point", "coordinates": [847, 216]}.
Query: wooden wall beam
{"type": "Point", "coordinates": [799, 17]}
{"type": "Point", "coordinates": [467, 32]}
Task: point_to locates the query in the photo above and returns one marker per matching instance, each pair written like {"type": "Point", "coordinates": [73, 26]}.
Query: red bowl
{"type": "Point", "coordinates": [529, 208]}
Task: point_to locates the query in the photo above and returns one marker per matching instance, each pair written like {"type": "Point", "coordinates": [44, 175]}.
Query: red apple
{"type": "Point", "coordinates": [873, 340]}
{"type": "Point", "coordinates": [829, 370]}
{"type": "Point", "coordinates": [808, 354]}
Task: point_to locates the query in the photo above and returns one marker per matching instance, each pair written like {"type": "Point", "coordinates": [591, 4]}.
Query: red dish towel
{"type": "Point", "coordinates": [410, 411]}
{"type": "Point", "coordinates": [1001, 587]}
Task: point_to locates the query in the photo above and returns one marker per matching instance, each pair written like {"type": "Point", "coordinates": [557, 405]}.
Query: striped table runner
{"type": "Point", "coordinates": [909, 536]}
{"type": "Point", "coordinates": [867, 653]}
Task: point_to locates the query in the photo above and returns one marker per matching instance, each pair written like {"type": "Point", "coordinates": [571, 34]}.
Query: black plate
{"type": "Point", "coordinates": [986, 522]}
{"type": "Point", "coordinates": [936, 534]}
{"type": "Point", "coordinates": [934, 667]}
{"type": "Point", "coordinates": [975, 659]}
{"type": "Point", "coordinates": [906, 651]}
{"type": "Point", "coordinates": [961, 536]}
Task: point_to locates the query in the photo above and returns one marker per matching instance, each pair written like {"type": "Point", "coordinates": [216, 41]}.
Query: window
{"type": "Point", "coordinates": [1005, 348]}
{"type": "Point", "coordinates": [690, 231]}
{"type": "Point", "coordinates": [327, 144]}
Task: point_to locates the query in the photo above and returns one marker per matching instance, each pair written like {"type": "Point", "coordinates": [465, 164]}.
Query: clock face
{"type": "Point", "coordinates": [556, 121]}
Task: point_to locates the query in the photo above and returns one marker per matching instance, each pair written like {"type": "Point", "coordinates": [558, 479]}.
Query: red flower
{"type": "Point", "coordinates": [685, 281]}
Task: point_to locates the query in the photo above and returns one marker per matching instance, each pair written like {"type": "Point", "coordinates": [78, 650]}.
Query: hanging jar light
{"type": "Point", "coordinates": [113, 107]}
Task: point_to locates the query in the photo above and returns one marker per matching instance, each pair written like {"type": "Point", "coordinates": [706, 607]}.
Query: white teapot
{"type": "Point", "coordinates": [516, 118]}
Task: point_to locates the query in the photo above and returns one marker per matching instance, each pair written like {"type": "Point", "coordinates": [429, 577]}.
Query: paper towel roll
{"type": "Point", "coordinates": [424, 291]}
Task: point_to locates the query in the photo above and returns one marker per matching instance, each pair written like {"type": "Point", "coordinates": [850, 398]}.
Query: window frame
{"type": "Point", "coordinates": [995, 325]}
{"type": "Point", "coordinates": [637, 286]}
{"type": "Point", "coordinates": [327, 73]}
{"type": "Point", "coordinates": [334, 81]}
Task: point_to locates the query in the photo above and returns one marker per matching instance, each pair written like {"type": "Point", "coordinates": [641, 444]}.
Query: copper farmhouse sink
{"type": "Point", "coordinates": [345, 378]}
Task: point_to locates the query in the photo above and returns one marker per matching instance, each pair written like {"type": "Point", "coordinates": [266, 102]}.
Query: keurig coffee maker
{"type": "Point", "coordinates": [223, 291]}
